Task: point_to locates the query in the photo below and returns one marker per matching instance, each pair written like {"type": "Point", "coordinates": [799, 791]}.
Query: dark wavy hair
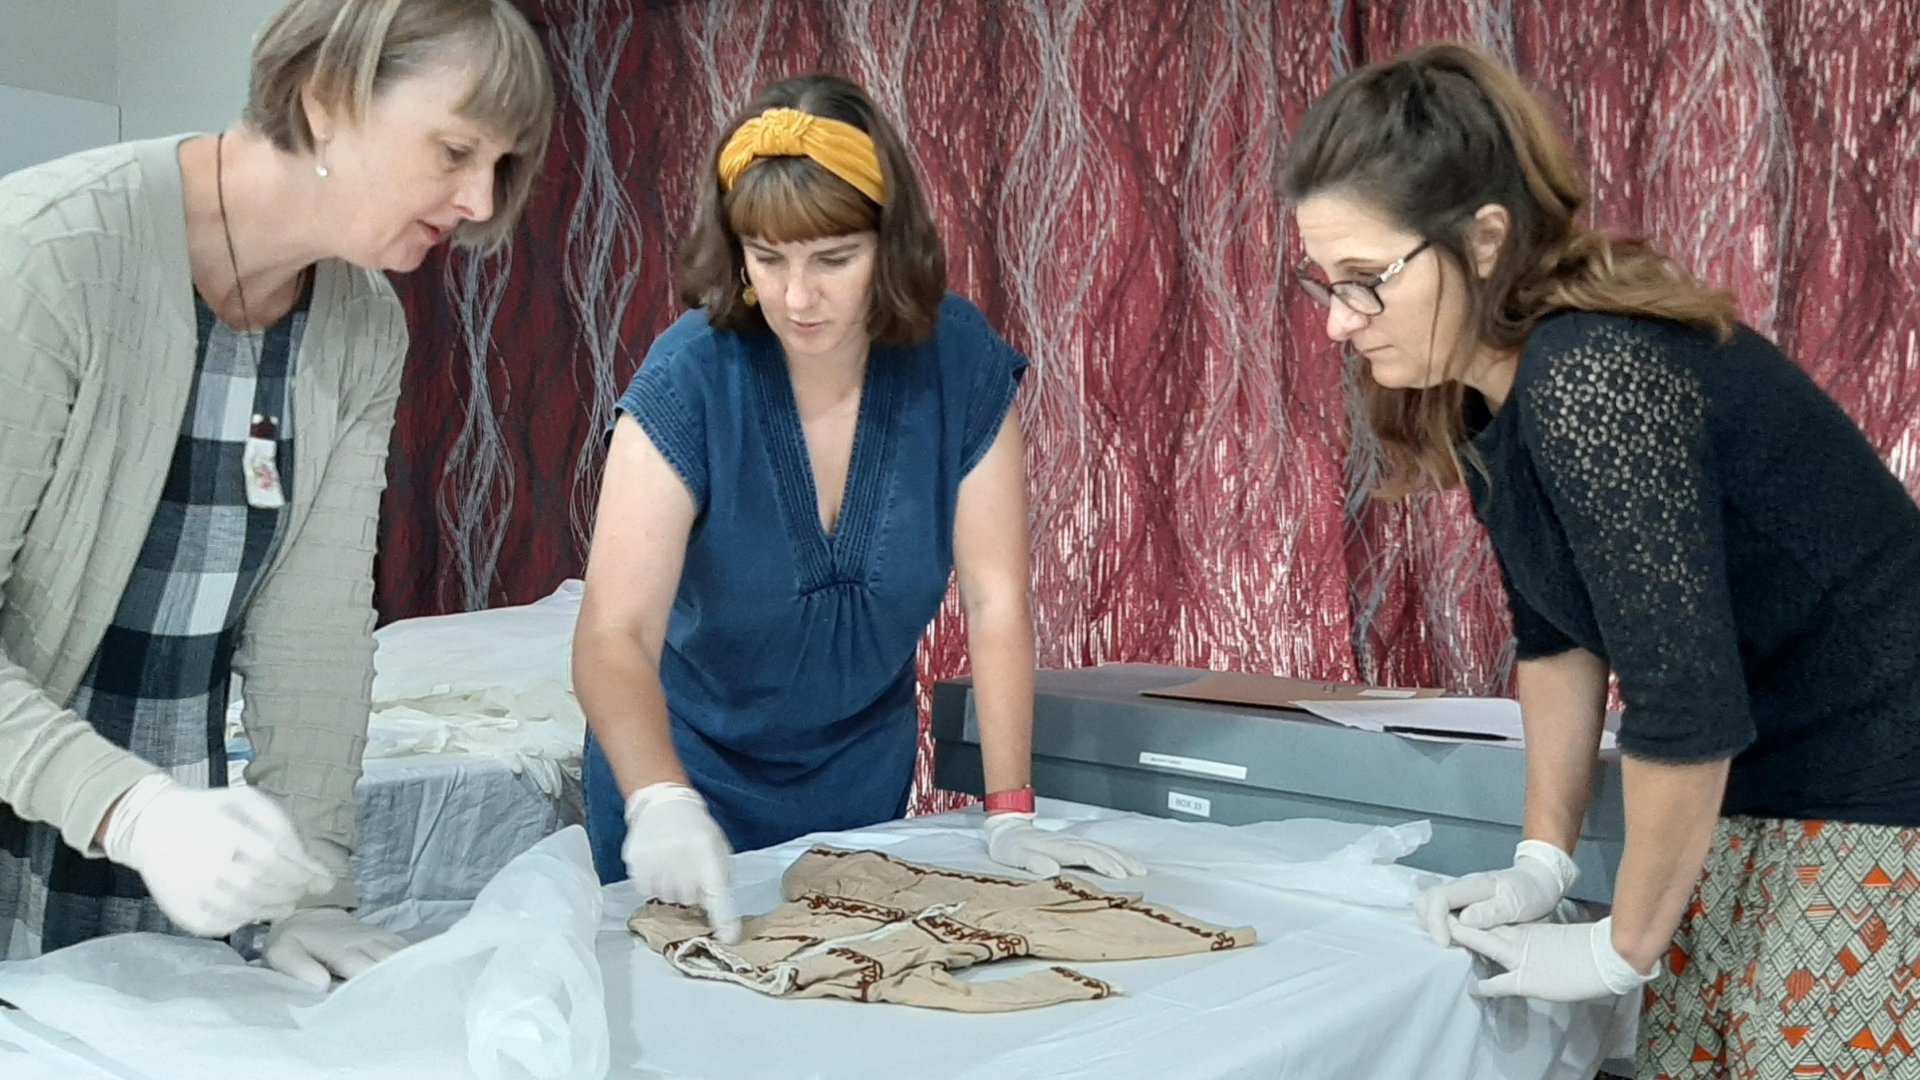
{"type": "Point", "coordinates": [1431, 136]}
{"type": "Point", "coordinates": [785, 199]}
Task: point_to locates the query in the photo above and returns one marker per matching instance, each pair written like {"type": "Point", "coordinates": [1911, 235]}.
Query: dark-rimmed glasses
{"type": "Point", "coordinates": [1361, 296]}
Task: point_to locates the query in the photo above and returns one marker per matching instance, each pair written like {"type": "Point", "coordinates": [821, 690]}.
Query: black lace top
{"type": "Point", "coordinates": [1714, 526]}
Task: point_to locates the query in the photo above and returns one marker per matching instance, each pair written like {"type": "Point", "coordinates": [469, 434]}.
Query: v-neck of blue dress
{"type": "Point", "coordinates": [838, 557]}
{"type": "Point", "coordinates": [789, 658]}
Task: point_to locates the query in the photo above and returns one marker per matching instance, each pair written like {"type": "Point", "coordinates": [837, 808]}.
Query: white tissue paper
{"type": "Point", "coordinates": [536, 733]}
{"type": "Point", "coordinates": [511, 992]}
{"type": "Point", "coordinates": [1338, 860]}
{"type": "Point", "coordinates": [498, 683]}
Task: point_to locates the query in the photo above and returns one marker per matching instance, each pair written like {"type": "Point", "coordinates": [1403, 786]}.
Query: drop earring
{"type": "Point", "coordinates": [320, 162]}
{"type": "Point", "coordinates": [747, 291]}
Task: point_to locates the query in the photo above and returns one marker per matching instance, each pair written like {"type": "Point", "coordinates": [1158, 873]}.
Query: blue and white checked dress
{"type": "Point", "coordinates": [158, 683]}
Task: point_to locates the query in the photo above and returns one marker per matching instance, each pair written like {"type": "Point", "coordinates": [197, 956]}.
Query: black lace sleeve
{"type": "Point", "coordinates": [1619, 432]}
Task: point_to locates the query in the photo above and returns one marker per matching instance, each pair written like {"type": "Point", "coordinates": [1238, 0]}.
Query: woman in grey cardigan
{"type": "Point", "coordinates": [199, 359]}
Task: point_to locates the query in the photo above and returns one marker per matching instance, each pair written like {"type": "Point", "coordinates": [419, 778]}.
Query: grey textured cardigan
{"type": "Point", "coordinates": [97, 358]}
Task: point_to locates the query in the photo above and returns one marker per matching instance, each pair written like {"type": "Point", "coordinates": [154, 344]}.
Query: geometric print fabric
{"type": "Point", "coordinates": [1798, 956]}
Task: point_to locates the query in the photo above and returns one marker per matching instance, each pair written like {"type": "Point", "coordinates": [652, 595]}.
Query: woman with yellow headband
{"type": "Point", "coordinates": [800, 464]}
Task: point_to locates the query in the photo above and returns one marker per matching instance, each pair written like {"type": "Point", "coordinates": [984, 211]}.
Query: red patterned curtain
{"type": "Point", "coordinates": [1103, 171]}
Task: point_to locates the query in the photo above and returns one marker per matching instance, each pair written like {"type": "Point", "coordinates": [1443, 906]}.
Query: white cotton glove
{"type": "Point", "coordinates": [213, 859]}
{"type": "Point", "coordinates": [316, 944]}
{"type": "Point", "coordinates": [1530, 889]}
{"type": "Point", "coordinates": [674, 852]}
{"type": "Point", "coordinates": [1553, 961]}
{"type": "Point", "coordinates": [1014, 840]}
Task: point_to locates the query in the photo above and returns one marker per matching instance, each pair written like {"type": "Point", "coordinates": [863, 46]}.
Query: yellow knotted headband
{"type": "Point", "coordinates": [837, 146]}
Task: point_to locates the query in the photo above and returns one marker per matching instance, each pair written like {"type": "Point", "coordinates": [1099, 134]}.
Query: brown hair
{"type": "Point", "coordinates": [785, 199]}
{"type": "Point", "coordinates": [348, 51]}
{"type": "Point", "coordinates": [1431, 136]}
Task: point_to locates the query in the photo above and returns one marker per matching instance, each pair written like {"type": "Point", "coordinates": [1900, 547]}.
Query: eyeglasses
{"type": "Point", "coordinates": [1362, 297]}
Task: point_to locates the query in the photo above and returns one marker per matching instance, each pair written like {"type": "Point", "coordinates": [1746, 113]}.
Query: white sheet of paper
{"type": "Point", "coordinates": [1442, 719]}
{"type": "Point", "coordinates": [513, 991]}
{"type": "Point", "coordinates": [1341, 960]}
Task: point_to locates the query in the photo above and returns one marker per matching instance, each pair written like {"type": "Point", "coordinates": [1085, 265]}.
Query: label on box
{"type": "Point", "coordinates": [1189, 804]}
{"type": "Point", "coordinates": [1198, 766]}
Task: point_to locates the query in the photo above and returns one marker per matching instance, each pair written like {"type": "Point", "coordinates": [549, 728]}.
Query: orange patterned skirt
{"type": "Point", "coordinates": [1799, 956]}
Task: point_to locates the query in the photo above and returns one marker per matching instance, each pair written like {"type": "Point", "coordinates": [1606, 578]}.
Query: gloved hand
{"type": "Point", "coordinates": [1014, 840]}
{"type": "Point", "coordinates": [1536, 883]}
{"type": "Point", "coordinates": [1552, 961]}
{"type": "Point", "coordinates": [674, 852]}
{"type": "Point", "coordinates": [213, 859]}
{"type": "Point", "coordinates": [316, 944]}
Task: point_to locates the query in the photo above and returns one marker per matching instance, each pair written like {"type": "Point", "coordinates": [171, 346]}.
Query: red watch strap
{"type": "Point", "coordinates": [1019, 800]}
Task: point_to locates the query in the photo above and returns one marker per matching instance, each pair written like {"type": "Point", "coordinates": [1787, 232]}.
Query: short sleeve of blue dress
{"type": "Point", "coordinates": [789, 660]}
{"type": "Point", "coordinates": [667, 396]}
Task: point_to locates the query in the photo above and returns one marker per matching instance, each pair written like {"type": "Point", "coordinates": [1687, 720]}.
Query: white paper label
{"type": "Point", "coordinates": [1189, 804]}
{"type": "Point", "coordinates": [1194, 765]}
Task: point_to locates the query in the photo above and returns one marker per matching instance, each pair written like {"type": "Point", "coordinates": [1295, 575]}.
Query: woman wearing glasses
{"type": "Point", "coordinates": [1673, 501]}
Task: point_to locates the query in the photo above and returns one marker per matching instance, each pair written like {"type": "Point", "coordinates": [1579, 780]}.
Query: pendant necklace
{"type": "Point", "coordinates": [259, 461]}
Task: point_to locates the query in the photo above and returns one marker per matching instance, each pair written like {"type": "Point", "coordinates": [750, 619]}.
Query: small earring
{"type": "Point", "coordinates": [321, 171]}
{"type": "Point", "coordinates": [320, 164]}
{"type": "Point", "coordinates": [747, 291]}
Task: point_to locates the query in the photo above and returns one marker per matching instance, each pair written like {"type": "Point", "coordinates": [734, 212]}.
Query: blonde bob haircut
{"type": "Point", "coordinates": [349, 51]}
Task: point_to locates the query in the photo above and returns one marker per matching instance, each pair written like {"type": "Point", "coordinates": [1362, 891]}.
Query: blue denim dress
{"type": "Point", "coordinates": [789, 656]}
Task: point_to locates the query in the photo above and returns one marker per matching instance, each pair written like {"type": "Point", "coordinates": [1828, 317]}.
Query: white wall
{"type": "Point", "coordinates": [79, 73]}
{"type": "Point", "coordinates": [59, 79]}
{"type": "Point", "coordinates": [37, 127]}
{"type": "Point", "coordinates": [182, 63]}
{"type": "Point", "coordinates": [68, 48]}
